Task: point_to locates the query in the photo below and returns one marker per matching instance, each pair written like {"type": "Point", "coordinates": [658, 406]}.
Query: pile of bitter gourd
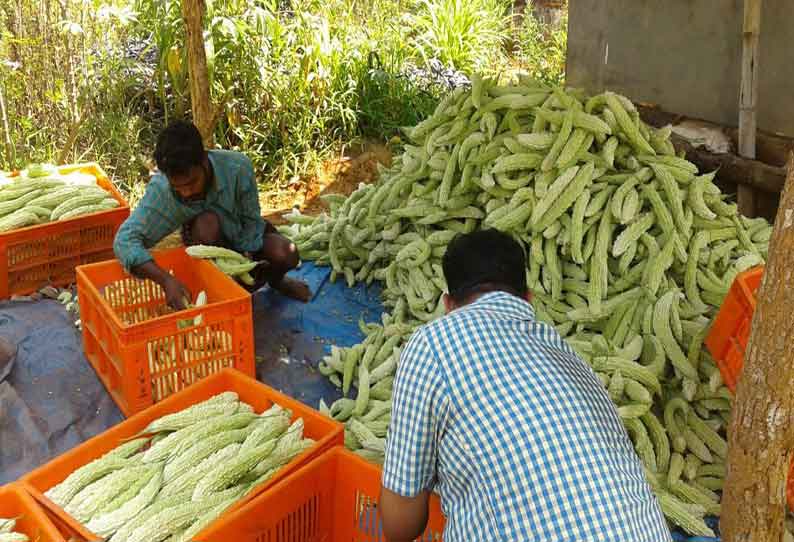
{"type": "Point", "coordinates": [40, 194]}
{"type": "Point", "coordinates": [7, 532]}
{"type": "Point", "coordinates": [228, 261]}
{"type": "Point", "coordinates": [190, 467]}
{"type": "Point", "coordinates": [630, 253]}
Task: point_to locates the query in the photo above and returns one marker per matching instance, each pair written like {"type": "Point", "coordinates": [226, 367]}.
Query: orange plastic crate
{"type": "Point", "coordinates": [31, 519]}
{"type": "Point", "coordinates": [326, 432]}
{"type": "Point", "coordinates": [132, 338]}
{"type": "Point", "coordinates": [727, 340]}
{"type": "Point", "coordinates": [332, 499]}
{"type": "Point", "coordinates": [730, 332]}
{"type": "Point", "coordinates": [35, 256]}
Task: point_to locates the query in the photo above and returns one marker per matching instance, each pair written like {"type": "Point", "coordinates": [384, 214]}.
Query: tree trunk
{"type": "Point", "coordinates": [761, 435]}
{"type": "Point", "coordinates": [203, 114]}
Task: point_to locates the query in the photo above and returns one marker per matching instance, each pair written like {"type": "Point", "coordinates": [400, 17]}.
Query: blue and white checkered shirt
{"type": "Point", "coordinates": [516, 432]}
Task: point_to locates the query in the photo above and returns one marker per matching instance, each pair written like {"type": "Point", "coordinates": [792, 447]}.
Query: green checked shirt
{"type": "Point", "coordinates": [232, 196]}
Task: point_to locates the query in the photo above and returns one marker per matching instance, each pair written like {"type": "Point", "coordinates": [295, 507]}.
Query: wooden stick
{"type": "Point", "coordinates": [748, 94]}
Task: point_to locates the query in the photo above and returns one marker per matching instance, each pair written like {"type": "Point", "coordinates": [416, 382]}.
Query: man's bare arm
{"type": "Point", "coordinates": [404, 518]}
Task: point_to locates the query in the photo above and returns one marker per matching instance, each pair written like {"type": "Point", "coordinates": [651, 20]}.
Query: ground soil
{"type": "Point", "coordinates": [339, 176]}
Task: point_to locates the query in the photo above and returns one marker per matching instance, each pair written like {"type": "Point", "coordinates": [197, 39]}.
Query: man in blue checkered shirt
{"type": "Point", "coordinates": [514, 431]}
{"type": "Point", "coordinates": [212, 196]}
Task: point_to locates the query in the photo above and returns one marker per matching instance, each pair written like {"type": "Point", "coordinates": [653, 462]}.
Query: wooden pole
{"type": "Point", "coordinates": [748, 95]}
{"type": "Point", "coordinates": [10, 151]}
{"type": "Point", "coordinates": [203, 114]}
{"type": "Point", "coordinates": [761, 435]}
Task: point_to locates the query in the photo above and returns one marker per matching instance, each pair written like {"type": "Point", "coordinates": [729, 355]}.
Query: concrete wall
{"type": "Point", "coordinates": [684, 55]}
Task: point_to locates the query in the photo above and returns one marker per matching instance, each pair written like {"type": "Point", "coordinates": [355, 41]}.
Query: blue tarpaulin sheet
{"type": "Point", "coordinates": [292, 337]}
{"type": "Point", "coordinates": [52, 400]}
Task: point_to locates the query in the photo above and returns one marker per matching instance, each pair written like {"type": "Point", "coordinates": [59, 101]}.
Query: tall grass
{"type": "Point", "coordinates": [467, 34]}
{"type": "Point", "coordinates": [388, 101]}
{"type": "Point", "coordinates": [64, 95]}
{"type": "Point", "coordinates": [295, 79]}
{"type": "Point", "coordinates": [293, 82]}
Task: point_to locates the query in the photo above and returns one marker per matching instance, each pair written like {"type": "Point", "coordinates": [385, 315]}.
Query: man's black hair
{"type": "Point", "coordinates": [484, 261]}
{"type": "Point", "coordinates": [179, 148]}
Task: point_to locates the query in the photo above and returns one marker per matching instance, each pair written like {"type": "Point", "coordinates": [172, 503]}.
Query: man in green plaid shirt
{"type": "Point", "coordinates": [212, 196]}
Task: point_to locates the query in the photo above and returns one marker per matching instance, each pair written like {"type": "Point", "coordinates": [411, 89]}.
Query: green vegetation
{"type": "Point", "coordinates": [541, 50]}
{"type": "Point", "coordinates": [83, 81]}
